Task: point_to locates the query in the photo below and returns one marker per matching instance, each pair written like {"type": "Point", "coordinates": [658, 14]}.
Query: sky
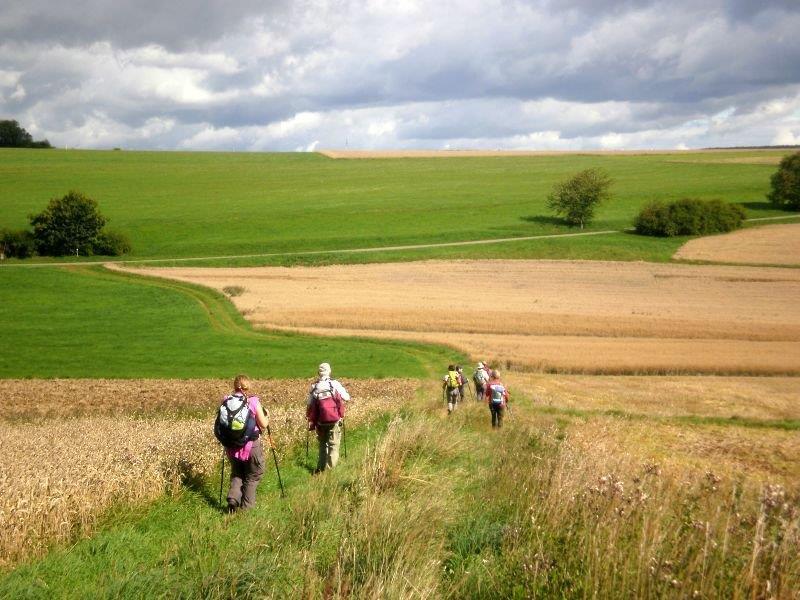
{"type": "Point", "coordinates": [303, 75]}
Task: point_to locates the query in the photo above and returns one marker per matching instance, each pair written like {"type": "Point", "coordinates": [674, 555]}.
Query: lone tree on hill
{"type": "Point", "coordinates": [786, 184]}
{"type": "Point", "coordinates": [14, 136]}
{"type": "Point", "coordinates": [68, 225]}
{"type": "Point", "coordinates": [577, 197]}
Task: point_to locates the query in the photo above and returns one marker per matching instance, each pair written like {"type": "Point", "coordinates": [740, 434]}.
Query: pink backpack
{"type": "Point", "coordinates": [327, 405]}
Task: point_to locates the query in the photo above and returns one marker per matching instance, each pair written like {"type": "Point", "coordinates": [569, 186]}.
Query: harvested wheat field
{"type": "Point", "coordinates": [773, 398]}
{"type": "Point", "coordinates": [591, 317]}
{"type": "Point", "coordinates": [767, 245]}
{"type": "Point", "coordinates": [79, 474]}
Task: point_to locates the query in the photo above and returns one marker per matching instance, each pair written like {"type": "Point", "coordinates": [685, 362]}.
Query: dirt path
{"type": "Point", "coordinates": [767, 245]}
{"type": "Point", "coordinates": [554, 315]}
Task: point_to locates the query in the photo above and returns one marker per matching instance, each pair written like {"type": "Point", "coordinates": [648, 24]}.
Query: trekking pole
{"type": "Point", "coordinates": [275, 458]}
{"type": "Point", "coordinates": [221, 475]}
{"type": "Point", "coordinates": [344, 438]}
{"type": "Point", "coordinates": [307, 434]}
{"type": "Point", "coordinates": [469, 387]}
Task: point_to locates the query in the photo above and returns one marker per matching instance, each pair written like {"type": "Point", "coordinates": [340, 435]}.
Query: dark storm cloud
{"type": "Point", "coordinates": [127, 23]}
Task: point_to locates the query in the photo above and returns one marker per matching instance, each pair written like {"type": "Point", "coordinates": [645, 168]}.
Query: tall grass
{"type": "Point", "coordinates": [430, 506]}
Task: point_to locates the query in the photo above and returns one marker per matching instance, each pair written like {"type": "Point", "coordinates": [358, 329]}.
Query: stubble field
{"type": "Point", "coordinates": [562, 316]}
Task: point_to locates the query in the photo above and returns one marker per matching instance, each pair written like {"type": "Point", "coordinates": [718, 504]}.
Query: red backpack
{"type": "Point", "coordinates": [326, 403]}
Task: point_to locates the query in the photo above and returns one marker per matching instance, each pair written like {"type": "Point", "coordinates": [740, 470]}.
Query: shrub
{"type": "Point", "coordinates": [68, 224]}
{"type": "Point", "coordinates": [112, 243]}
{"type": "Point", "coordinates": [19, 243]}
{"type": "Point", "coordinates": [785, 183]}
{"type": "Point", "coordinates": [577, 197]}
{"type": "Point", "coordinates": [688, 216]}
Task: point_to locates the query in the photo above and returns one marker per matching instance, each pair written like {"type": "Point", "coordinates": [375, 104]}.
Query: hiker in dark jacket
{"type": "Point", "coordinates": [462, 383]}
{"type": "Point", "coordinates": [247, 462]}
{"type": "Point", "coordinates": [496, 395]}
{"type": "Point", "coordinates": [325, 411]}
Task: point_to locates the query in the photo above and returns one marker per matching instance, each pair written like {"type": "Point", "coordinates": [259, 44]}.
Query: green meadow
{"type": "Point", "coordinates": [90, 322]}
{"type": "Point", "coordinates": [178, 205]}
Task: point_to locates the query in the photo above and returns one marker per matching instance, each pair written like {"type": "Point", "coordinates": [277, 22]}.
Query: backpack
{"type": "Point", "coordinates": [498, 391]}
{"type": "Point", "coordinates": [327, 405]}
{"type": "Point", "coordinates": [235, 424]}
{"type": "Point", "coordinates": [480, 378]}
{"type": "Point", "coordinates": [453, 380]}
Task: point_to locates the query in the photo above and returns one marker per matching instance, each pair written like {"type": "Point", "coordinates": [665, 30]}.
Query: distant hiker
{"type": "Point", "coordinates": [450, 387]}
{"type": "Point", "coordinates": [240, 421]}
{"type": "Point", "coordinates": [479, 378]}
{"type": "Point", "coordinates": [325, 411]}
{"type": "Point", "coordinates": [496, 395]}
{"type": "Point", "coordinates": [463, 383]}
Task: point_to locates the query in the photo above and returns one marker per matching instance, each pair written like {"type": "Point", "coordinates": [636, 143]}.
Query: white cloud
{"type": "Point", "coordinates": [410, 73]}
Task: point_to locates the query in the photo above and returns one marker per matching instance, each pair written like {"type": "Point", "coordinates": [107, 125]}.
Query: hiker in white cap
{"type": "Point", "coordinates": [480, 377]}
{"type": "Point", "coordinates": [325, 411]}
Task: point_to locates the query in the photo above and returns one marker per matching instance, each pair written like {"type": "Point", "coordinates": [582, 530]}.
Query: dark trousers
{"type": "Point", "coordinates": [497, 414]}
{"type": "Point", "coordinates": [245, 475]}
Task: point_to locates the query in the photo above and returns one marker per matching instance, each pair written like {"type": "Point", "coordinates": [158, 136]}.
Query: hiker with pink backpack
{"type": "Point", "coordinates": [325, 412]}
{"type": "Point", "coordinates": [240, 421]}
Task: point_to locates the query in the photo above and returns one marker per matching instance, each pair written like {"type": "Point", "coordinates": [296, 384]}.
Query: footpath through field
{"type": "Point", "coordinates": [480, 242]}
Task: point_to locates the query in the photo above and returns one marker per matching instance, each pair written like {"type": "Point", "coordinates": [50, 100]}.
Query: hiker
{"type": "Point", "coordinates": [246, 453]}
{"type": "Point", "coordinates": [496, 395]}
{"type": "Point", "coordinates": [462, 383]}
{"type": "Point", "coordinates": [479, 378]}
{"type": "Point", "coordinates": [325, 412]}
{"type": "Point", "coordinates": [450, 386]}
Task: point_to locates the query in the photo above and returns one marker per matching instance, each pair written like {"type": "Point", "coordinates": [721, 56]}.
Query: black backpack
{"type": "Point", "coordinates": [235, 424]}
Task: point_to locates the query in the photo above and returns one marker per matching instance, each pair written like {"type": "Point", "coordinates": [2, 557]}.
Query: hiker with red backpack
{"type": "Point", "coordinates": [240, 421]}
{"type": "Point", "coordinates": [325, 412]}
{"type": "Point", "coordinates": [496, 395]}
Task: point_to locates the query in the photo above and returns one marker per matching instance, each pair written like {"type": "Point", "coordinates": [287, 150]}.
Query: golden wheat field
{"type": "Point", "coordinates": [593, 317]}
{"type": "Point", "coordinates": [102, 443]}
{"type": "Point", "coordinates": [768, 245]}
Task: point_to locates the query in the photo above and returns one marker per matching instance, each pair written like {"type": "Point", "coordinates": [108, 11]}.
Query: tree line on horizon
{"type": "Point", "coordinates": [12, 135]}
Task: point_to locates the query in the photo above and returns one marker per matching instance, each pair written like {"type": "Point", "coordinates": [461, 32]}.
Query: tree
{"type": "Point", "coordinates": [577, 197]}
{"type": "Point", "coordinates": [785, 182]}
{"type": "Point", "coordinates": [14, 136]}
{"type": "Point", "coordinates": [68, 225]}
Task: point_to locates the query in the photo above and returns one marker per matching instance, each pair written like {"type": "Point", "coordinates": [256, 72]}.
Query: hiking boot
{"type": "Point", "coordinates": [233, 506]}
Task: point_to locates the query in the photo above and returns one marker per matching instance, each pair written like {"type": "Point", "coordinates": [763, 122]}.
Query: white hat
{"type": "Point", "coordinates": [324, 370]}
{"type": "Point", "coordinates": [480, 365]}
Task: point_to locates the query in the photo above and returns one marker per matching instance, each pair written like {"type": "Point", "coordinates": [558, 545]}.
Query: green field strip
{"type": "Point", "coordinates": [185, 205]}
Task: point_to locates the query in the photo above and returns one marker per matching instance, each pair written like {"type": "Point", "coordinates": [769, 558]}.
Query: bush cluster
{"type": "Point", "coordinates": [71, 224]}
{"type": "Point", "coordinates": [689, 216]}
{"type": "Point", "coordinates": [112, 243]}
{"type": "Point", "coordinates": [16, 243]}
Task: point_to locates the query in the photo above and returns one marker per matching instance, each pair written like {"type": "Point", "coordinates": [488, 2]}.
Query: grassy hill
{"type": "Point", "coordinates": [176, 204]}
